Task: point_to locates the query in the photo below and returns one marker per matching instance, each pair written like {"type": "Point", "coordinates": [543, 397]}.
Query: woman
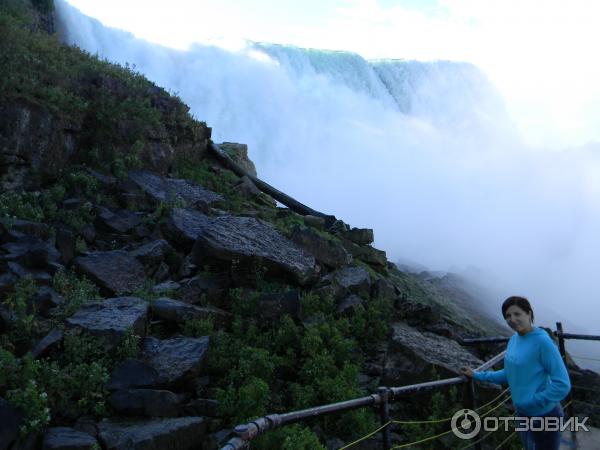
{"type": "Point", "coordinates": [535, 373]}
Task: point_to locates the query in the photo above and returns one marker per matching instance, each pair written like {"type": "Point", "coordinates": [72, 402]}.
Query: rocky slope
{"type": "Point", "coordinates": [152, 299]}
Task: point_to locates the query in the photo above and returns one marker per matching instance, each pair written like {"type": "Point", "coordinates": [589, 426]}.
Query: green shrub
{"type": "Point", "coordinates": [76, 291]}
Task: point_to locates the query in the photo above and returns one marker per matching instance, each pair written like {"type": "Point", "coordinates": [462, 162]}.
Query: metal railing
{"type": "Point", "coordinates": [244, 433]}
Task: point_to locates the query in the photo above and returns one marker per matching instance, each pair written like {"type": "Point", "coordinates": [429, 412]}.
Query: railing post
{"type": "Point", "coordinates": [472, 404]}
{"type": "Point", "coordinates": [563, 353]}
{"type": "Point", "coordinates": [384, 414]}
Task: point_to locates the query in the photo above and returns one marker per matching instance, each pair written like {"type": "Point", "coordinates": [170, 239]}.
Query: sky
{"type": "Point", "coordinates": [542, 58]}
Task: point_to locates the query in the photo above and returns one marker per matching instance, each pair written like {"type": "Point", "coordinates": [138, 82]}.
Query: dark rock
{"type": "Point", "coordinates": [153, 253]}
{"type": "Point", "coordinates": [121, 221]}
{"type": "Point", "coordinates": [418, 314]}
{"type": "Point", "coordinates": [184, 225]}
{"type": "Point", "coordinates": [247, 245]}
{"type": "Point", "coordinates": [339, 226]}
{"type": "Point", "coordinates": [348, 306]}
{"type": "Point", "coordinates": [161, 273]}
{"type": "Point", "coordinates": [31, 252]}
{"type": "Point", "coordinates": [116, 272]}
{"type": "Point", "coordinates": [132, 373]}
{"type": "Point", "coordinates": [215, 441]}
{"type": "Point", "coordinates": [71, 204]}
{"type": "Point", "coordinates": [169, 190]}
{"type": "Point", "coordinates": [360, 236]}
{"type": "Point", "coordinates": [48, 344]}
{"type": "Point", "coordinates": [86, 424]}
{"type": "Point", "coordinates": [412, 356]}
{"type": "Point", "coordinates": [63, 438]}
{"type": "Point", "coordinates": [273, 307]}
{"type": "Point", "coordinates": [183, 433]}
{"type": "Point", "coordinates": [175, 359]}
{"type": "Point", "coordinates": [145, 402]}
{"type": "Point", "coordinates": [65, 243]}
{"type": "Point", "coordinates": [326, 251]}
{"type": "Point", "coordinates": [355, 279]}
{"type": "Point", "coordinates": [142, 231]}
{"type": "Point", "coordinates": [203, 288]}
{"type": "Point", "coordinates": [176, 311]}
{"type": "Point", "coordinates": [7, 282]}
{"type": "Point", "coordinates": [246, 188]}
{"type": "Point", "coordinates": [166, 287]}
{"type": "Point", "coordinates": [32, 441]}
{"type": "Point", "coordinates": [39, 276]}
{"type": "Point", "coordinates": [202, 407]}
{"type": "Point", "coordinates": [11, 420]}
{"type": "Point", "coordinates": [45, 300]}
{"type": "Point", "coordinates": [7, 318]}
{"type": "Point", "coordinates": [367, 254]}
{"type": "Point", "coordinates": [89, 233]}
{"type": "Point", "coordinates": [40, 230]}
{"type": "Point", "coordinates": [239, 154]}
{"type": "Point", "coordinates": [108, 181]}
{"type": "Point", "coordinates": [314, 221]}
{"type": "Point", "coordinates": [112, 318]}
{"type": "Point", "coordinates": [383, 289]}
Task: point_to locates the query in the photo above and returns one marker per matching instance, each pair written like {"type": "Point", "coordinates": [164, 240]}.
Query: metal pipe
{"type": "Point", "coordinates": [486, 340]}
{"type": "Point", "coordinates": [384, 414]}
{"type": "Point", "coordinates": [563, 353]}
{"type": "Point", "coordinates": [584, 337]}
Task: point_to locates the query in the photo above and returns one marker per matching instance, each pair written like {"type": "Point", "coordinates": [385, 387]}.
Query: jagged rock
{"type": "Point", "coordinates": [27, 227]}
{"type": "Point", "coordinates": [326, 251]}
{"type": "Point", "coordinates": [49, 343]}
{"type": "Point", "coordinates": [145, 402]}
{"type": "Point", "coordinates": [166, 286]}
{"type": "Point", "coordinates": [31, 252]}
{"type": "Point", "coordinates": [202, 407]}
{"type": "Point", "coordinates": [64, 438]}
{"type": "Point", "coordinates": [168, 190]}
{"type": "Point", "coordinates": [246, 188]}
{"type": "Point", "coordinates": [45, 300]}
{"type": "Point", "coordinates": [314, 221]}
{"type": "Point", "coordinates": [89, 233]}
{"type": "Point", "coordinates": [418, 314]}
{"type": "Point", "coordinates": [360, 236]}
{"type": "Point", "coordinates": [217, 440]}
{"type": "Point", "coordinates": [177, 358]}
{"type": "Point", "coordinates": [7, 282]}
{"type": "Point", "coordinates": [71, 204]}
{"type": "Point", "coordinates": [86, 424]}
{"type": "Point", "coordinates": [210, 288]}
{"type": "Point", "coordinates": [239, 154]}
{"type": "Point", "coordinates": [132, 373]}
{"type": "Point", "coordinates": [65, 244]}
{"type": "Point", "coordinates": [153, 253]}
{"type": "Point", "coordinates": [413, 355]}
{"type": "Point", "coordinates": [246, 245]}
{"type": "Point", "coordinates": [355, 279]}
{"type": "Point", "coordinates": [367, 254]}
{"type": "Point", "coordinates": [184, 225]}
{"type": "Point", "coordinates": [182, 433]}
{"type": "Point", "coordinates": [273, 307]}
{"type": "Point", "coordinates": [11, 420]}
{"type": "Point", "coordinates": [161, 273]}
{"type": "Point", "coordinates": [348, 306]}
{"type": "Point", "coordinates": [116, 272]}
{"type": "Point", "coordinates": [176, 311]}
{"type": "Point", "coordinates": [112, 318]}
{"type": "Point", "coordinates": [382, 288]}
{"type": "Point", "coordinates": [339, 226]}
{"type": "Point", "coordinates": [121, 221]}
{"type": "Point", "coordinates": [108, 181]}
{"type": "Point", "coordinates": [39, 276]}
{"type": "Point", "coordinates": [7, 318]}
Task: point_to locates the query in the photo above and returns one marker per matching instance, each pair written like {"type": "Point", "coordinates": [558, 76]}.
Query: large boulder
{"type": "Point", "coordinates": [115, 272]}
{"type": "Point", "coordinates": [184, 225]}
{"type": "Point", "coordinates": [367, 254]}
{"type": "Point", "coordinates": [152, 253]}
{"type": "Point", "coordinates": [176, 311]}
{"type": "Point", "coordinates": [170, 190]}
{"type": "Point", "coordinates": [146, 402]}
{"type": "Point", "coordinates": [11, 420]}
{"type": "Point", "coordinates": [239, 154]}
{"type": "Point", "coordinates": [132, 373]}
{"type": "Point", "coordinates": [412, 356]}
{"type": "Point", "coordinates": [119, 221]}
{"type": "Point", "coordinates": [247, 245]}
{"type": "Point", "coordinates": [182, 433]}
{"type": "Point", "coordinates": [176, 359]}
{"type": "Point", "coordinates": [327, 251]}
{"type": "Point", "coordinates": [31, 252]}
{"type": "Point", "coordinates": [353, 279]}
{"type": "Point", "coordinates": [112, 318]}
{"type": "Point", "coordinates": [64, 438]}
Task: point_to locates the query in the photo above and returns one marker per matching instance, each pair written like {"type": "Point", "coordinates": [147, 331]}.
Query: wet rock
{"type": "Point", "coordinates": [161, 273]}
{"type": "Point", "coordinates": [7, 281]}
{"type": "Point", "coordinates": [418, 314]}
{"type": "Point", "coordinates": [175, 359]}
{"type": "Point", "coordinates": [31, 252]}
{"type": "Point", "coordinates": [64, 438]}
{"type": "Point", "coordinates": [112, 318]}
{"type": "Point", "coordinates": [152, 254]}
{"type": "Point", "coordinates": [382, 288]}
{"type": "Point", "coordinates": [246, 245]}
{"type": "Point", "coordinates": [177, 311]}
{"type": "Point", "coordinates": [360, 236]}
{"type": "Point", "coordinates": [413, 355]}
{"type": "Point", "coordinates": [11, 420]}
{"type": "Point", "coordinates": [183, 433]}
{"type": "Point", "coordinates": [45, 300]}
{"type": "Point", "coordinates": [355, 279]}
{"type": "Point", "coordinates": [166, 287]}
{"type": "Point", "coordinates": [121, 221]}
{"type": "Point", "coordinates": [204, 288]}
{"type": "Point", "coordinates": [37, 275]}
{"type": "Point", "coordinates": [202, 407]}
{"type": "Point", "coordinates": [48, 344]}
{"type": "Point", "coordinates": [367, 254]}
{"type": "Point", "coordinates": [246, 188]}
{"type": "Point", "coordinates": [326, 251]}
{"type": "Point", "coordinates": [132, 373]}
{"type": "Point", "coordinates": [89, 233]}
{"type": "Point", "coordinates": [273, 307]}
{"type": "Point", "coordinates": [115, 272]}
{"type": "Point", "coordinates": [184, 225]}
{"type": "Point", "coordinates": [169, 190]}
{"type": "Point", "coordinates": [27, 227]}
{"type": "Point", "coordinates": [348, 306]}
{"type": "Point", "coordinates": [145, 402]}
{"type": "Point", "coordinates": [65, 244]}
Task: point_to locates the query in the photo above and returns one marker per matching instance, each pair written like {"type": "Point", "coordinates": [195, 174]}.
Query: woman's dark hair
{"type": "Point", "coordinates": [521, 302]}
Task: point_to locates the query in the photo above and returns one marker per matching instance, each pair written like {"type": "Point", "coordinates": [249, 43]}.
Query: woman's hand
{"type": "Point", "coordinates": [467, 371]}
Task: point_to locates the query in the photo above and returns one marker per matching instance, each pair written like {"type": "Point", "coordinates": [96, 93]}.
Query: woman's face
{"type": "Point", "coordinates": [518, 319]}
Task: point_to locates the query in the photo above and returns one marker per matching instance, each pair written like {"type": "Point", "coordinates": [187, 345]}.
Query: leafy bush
{"type": "Point", "coordinates": [75, 290]}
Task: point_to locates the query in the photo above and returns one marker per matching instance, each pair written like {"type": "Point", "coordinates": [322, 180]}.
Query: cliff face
{"type": "Point", "coordinates": [150, 296]}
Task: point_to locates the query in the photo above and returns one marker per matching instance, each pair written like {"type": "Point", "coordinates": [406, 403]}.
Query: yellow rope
{"type": "Point", "coordinates": [366, 437]}
{"type": "Point", "coordinates": [422, 440]}
{"type": "Point", "coordinates": [471, 444]}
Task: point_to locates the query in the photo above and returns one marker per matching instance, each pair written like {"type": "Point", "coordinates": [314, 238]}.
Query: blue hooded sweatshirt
{"type": "Point", "coordinates": [535, 373]}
